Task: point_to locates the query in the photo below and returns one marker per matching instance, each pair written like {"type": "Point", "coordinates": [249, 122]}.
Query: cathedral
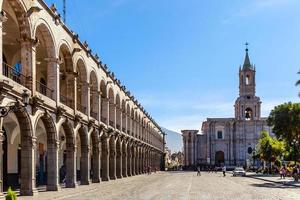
{"type": "Point", "coordinates": [229, 141]}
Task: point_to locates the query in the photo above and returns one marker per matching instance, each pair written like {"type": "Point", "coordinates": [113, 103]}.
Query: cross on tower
{"type": "Point", "coordinates": [246, 46]}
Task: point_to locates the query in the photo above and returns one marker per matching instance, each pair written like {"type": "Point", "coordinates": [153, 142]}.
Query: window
{"type": "Point", "coordinates": [248, 114]}
{"type": "Point", "coordinates": [247, 80]}
{"type": "Point", "coordinates": [220, 135]}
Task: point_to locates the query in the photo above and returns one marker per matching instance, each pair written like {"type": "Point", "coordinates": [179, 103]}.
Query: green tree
{"type": "Point", "coordinates": [285, 122]}
{"type": "Point", "coordinates": [268, 148]}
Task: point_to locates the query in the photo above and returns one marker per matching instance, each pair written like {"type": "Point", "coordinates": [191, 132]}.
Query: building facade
{"type": "Point", "coordinates": [229, 141]}
{"type": "Point", "coordinates": [81, 125]}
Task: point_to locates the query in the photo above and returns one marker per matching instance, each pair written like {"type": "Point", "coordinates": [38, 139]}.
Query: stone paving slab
{"type": "Point", "coordinates": [177, 186]}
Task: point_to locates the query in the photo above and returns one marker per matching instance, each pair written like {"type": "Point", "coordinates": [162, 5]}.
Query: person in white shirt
{"type": "Point", "coordinates": [224, 170]}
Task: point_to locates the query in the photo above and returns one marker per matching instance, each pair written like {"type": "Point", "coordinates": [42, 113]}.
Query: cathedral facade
{"type": "Point", "coordinates": [229, 141]}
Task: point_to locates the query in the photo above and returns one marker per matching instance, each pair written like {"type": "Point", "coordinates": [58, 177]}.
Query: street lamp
{"type": "Point", "coordinates": [4, 110]}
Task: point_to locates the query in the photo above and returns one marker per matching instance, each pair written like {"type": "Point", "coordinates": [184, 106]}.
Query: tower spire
{"type": "Point", "coordinates": [247, 64]}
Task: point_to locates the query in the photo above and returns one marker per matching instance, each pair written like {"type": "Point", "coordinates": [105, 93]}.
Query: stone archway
{"type": "Point", "coordinates": [219, 158]}
{"type": "Point", "coordinates": [16, 44]}
{"type": "Point", "coordinates": [46, 74]}
{"type": "Point", "coordinates": [69, 155]}
{"type": "Point", "coordinates": [47, 152]}
{"type": "Point", "coordinates": [28, 145]}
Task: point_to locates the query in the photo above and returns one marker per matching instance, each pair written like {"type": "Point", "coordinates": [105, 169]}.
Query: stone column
{"type": "Point", "coordinates": [28, 146]}
{"type": "Point", "coordinates": [119, 162]}
{"type": "Point", "coordinates": [71, 166]}
{"type": "Point", "coordinates": [137, 160]}
{"type": "Point", "coordinates": [143, 161]}
{"type": "Point", "coordinates": [3, 18]}
{"type": "Point", "coordinates": [129, 160]}
{"type": "Point", "coordinates": [96, 163]}
{"type": "Point", "coordinates": [133, 160]}
{"type": "Point", "coordinates": [89, 99]}
{"type": "Point", "coordinates": [1, 149]}
{"type": "Point", "coordinates": [52, 166]}
{"type": "Point", "coordinates": [124, 160]}
{"type": "Point", "coordinates": [28, 60]}
{"type": "Point", "coordinates": [105, 158]}
{"type": "Point", "coordinates": [53, 77]}
{"type": "Point", "coordinates": [85, 165]}
{"type": "Point", "coordinates": [112, 158]}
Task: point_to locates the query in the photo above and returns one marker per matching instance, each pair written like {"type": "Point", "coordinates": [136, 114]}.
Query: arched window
{"type": "Point", "coordinates": [247, 80]}
{"type": "Point", "coordinates": [248, 114]}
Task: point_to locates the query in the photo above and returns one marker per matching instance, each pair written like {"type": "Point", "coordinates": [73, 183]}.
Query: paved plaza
{"type": "Point", "coordinates": [177, 185]}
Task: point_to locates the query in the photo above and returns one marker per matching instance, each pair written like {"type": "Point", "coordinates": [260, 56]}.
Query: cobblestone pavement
{"type": "Point", "coordinates": [177, 185]}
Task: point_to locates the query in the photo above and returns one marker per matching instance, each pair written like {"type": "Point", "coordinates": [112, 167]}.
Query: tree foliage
{"type": "Point", "coordinates": [285, 121]}
{"type": "Point", "coordinates": [268, 148]}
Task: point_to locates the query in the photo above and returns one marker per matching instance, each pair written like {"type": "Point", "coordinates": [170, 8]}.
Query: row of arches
{"type": "Point", "coordinates": [67, 154]}
{"type": "Point", "coordinates": [34, 57]}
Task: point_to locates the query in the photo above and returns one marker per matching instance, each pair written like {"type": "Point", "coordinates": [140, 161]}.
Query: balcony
{"type": "Point", "coordinates": [67, 101]}
{"type": "Point", "coordinates": [44, 90]}
{"type": "Point", "coordinates": [14, 74]}
{"type": "Point", "coordinates": [81, 108]}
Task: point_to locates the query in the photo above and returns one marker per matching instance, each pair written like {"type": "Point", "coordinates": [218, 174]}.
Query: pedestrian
{"type": "Point", "coordinates": [281, 172]}
{"type": "Point", "coordinates": [224, 171]}
{"type": "Point", "coordinates": [284, 172]}
{"type": "Point", "coordinates": [149, 170]}
{"type": "Point", "coordinates": [198, 171]}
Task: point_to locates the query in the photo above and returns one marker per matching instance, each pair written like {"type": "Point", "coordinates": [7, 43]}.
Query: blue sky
{"type": "Point", "coordinates": [180, 58]}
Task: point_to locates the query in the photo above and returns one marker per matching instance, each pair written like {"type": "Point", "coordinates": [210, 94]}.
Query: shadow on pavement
{"type": "Point", "coordinates": [274, 185]}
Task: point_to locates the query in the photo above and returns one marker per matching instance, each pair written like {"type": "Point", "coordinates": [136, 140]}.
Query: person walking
{"type": "Point", "coordinates": [224, 171]}
{"type": "Point", "coordinates": [198, 171]}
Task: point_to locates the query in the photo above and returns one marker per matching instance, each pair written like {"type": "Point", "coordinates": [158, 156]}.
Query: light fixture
{"type": "Point", "coordinates": [4, 110]}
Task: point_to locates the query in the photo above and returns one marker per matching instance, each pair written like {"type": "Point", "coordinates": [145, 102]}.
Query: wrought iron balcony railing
{"type": "Point", "coordinates": [43, 89]}
{"type": "Point", "coordinates": [14, 74]}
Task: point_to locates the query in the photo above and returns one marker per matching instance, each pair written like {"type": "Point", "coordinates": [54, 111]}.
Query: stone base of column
{"type": "Point", "coordinates": [85, 182]}
{"type": "Point", "coordinates": [71, 185]}
{"type": "Point", "coordinates": [96, 180]}
{"type": "Point", "coordinates": [119, 176]}
{"type": "Point", "coordinates": [105, 179]}
{"type": "Point", "coordinates": [53, 187]}
{"type": "Point", "coordinates": [29, 192]}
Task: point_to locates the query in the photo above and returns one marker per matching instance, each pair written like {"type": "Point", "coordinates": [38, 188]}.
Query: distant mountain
{"type": "Point", "coordinates": [173, 140]}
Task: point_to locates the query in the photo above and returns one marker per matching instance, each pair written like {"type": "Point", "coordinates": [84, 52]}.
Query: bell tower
{"type": "Point", "coordinates": [247, 105]}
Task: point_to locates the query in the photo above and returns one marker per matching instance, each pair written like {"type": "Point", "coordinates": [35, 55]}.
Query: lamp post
{"type": "Point", "coordinates": [4, 110]}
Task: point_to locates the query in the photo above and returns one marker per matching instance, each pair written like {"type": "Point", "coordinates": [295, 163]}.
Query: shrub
{"type": "Point", "coordinates": [11, 195]}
